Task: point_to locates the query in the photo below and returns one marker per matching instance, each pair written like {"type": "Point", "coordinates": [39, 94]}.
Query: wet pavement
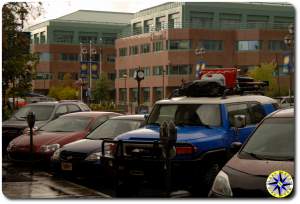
{"type": "Point", "coordinates": [19, 182]}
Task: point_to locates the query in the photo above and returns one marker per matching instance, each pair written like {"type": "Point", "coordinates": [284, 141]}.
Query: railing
{"type": "Point", "coordinates": [129, 31]}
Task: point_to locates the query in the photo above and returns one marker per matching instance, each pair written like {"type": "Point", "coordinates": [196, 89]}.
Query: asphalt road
{"type": "Point", "coordinates": [20, 182]}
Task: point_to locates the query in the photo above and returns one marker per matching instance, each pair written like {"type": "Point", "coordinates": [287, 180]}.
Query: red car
{"type": "Point", "coordinates": [63, 130]}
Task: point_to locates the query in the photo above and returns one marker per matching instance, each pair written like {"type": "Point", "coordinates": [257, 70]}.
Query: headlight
{"type": "Point", "coordinates": [109, 149]}
{"type": "Point", "coordinates": [56, 154]}
{"type": "Point", "coordinates": [94, 156]}
{"type": "Point", "coordinates": [221, 184]}
{"type": "Point", "coordinates": [49, 148]}
{"type": "Point", "coordinates": [9, 147]}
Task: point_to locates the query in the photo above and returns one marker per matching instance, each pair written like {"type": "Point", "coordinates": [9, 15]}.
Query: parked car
{"type": "Point", "coordinates": [206, 128]}
{"type": "Point", "coordinates": [44, 112]}
{"type": "Point", "coordinates": [270, 148]}
{"type": "Point", "coordinates": [83, 156]}
{"type": "Point", "coordinates": [55, 134]}
{"type": "Point", "coordinates": [285, 101]}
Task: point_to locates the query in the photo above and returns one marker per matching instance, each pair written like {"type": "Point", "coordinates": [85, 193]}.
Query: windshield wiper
{"type": "Point", "coordinates": [253, 155]}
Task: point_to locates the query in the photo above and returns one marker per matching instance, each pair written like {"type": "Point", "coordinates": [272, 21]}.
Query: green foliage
{"type": "Point", "coordinates": [63, 93]}
{"type": "Point", "coordinates": [102, 89]}
{"type": "Point", "coordinates": [264, 72]}
{"type": "Point", "coordinates": [105, 106]}
{"type": "Point", "coordinates": [18, 64]}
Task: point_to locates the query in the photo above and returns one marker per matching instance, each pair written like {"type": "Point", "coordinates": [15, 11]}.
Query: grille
{"type": "Point", "coordinates": [72, 156]}
{"type": "Point", "coordinates": [142, 150]}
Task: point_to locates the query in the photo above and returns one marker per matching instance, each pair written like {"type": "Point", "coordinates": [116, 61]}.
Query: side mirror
{"type": "Point", "coordinates": [239, 121]}
{"type": "Point", "coordinates": [57, 115]}
{"type": "Point", "coordinates": [235, 147]}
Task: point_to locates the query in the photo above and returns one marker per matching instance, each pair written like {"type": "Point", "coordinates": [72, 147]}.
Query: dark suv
{"type": "Point", "coordinates": [44, 112]}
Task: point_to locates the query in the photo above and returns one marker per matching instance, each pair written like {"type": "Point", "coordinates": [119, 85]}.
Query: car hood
{"type": "Point", "coordinates": [260, 167]}
{"type": "Point", "coordinates": [84, 146]}
{"type": "Point", "coordinates": [44, 138]}
{"type": "Point", "coordinates": [184, 134]}
{"type": "Point", "coordinates": [21, 124]}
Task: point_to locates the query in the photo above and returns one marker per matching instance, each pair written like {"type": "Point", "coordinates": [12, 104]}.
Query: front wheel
{"type": "Point", "coordinates": [204, 179]}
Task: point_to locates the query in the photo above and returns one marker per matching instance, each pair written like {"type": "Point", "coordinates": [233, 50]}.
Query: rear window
{"type": "Point", "coordinates": [84, 107]}
{"type": "Point", "coordinates": [42, 112]}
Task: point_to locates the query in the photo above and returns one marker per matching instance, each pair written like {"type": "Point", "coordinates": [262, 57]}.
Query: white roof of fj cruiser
{"type": "Point", "coordinates": [218, 100]}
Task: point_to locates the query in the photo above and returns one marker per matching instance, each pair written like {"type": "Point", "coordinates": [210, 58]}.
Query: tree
{"type": "Point", "coordinates": [63, 93]}
{"type": "Point", "coordinates": [18, 64]}
{"type": "Point", "coordinates": [102, 90]}
{"type": "Point", "coordinates": [265, 72]}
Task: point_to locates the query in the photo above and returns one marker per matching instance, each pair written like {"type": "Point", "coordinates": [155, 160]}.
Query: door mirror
{"type": "Point", "coordinates": [58, 114]}
{"type": "Point", "coordinates": [239, 121]}
{"type": "Point", "coordinates": [235, 147]}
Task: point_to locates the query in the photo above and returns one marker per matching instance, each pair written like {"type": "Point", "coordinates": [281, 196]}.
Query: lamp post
{"type": "Point", "coordinates": [163, 79]}
{"type": "Point", "coordinates": [125, 78]}
{"type": "Point", "coordinates": [139, 75]}
{"type": "Point", "coordinates": [289, 42]}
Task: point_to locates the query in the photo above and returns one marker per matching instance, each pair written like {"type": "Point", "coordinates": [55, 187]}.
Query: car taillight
{"type": "Point", "coordinates": [185, 150]}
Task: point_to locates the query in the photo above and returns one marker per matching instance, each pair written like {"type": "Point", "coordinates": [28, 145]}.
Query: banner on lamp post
{"type": "Point", "coordinates": [83, 70]}
{"type": "Point", "coordinates": [94, 67]}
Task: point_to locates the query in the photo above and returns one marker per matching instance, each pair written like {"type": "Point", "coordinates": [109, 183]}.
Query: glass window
{"type": "Point", "coordinates": [133, 50]}
{"type": "Point", "coordinates": [137, 28]}
{"type": "Point", "coordinates": [158, 46]}
{"type": "Point", "coordinates": [180, 70]}
{"type": "Point", "coordinates": [61, 110]}
{"type": "Point", "coordinates": [253, 111]}
{"type": "Point", "coordinates": [134, 94]}
{"type": "Point", "coordinates": [67, 124]}
{"type": "Point", "coordinates": [179, 44]}
{"type": "Point", "coordinates": [212, 45]}
{"type": "Point", "coordinates": [112, 128]}
{"type": "Point", "coordinates": [63, 36]}
{"type": "Point", "coordinates": [122, 95]}
{"type": "Point", "coordinates": [187, 114]}
{"type": "Point", "coordinates": [122, 51]}
{"type": "Point", "coordinates": [43, 37]}
{"type": "Point", "coordinates": [42, 112]}
{"type": "Point", "coordinates": [36, 38]}
{"type": "Point", "coordinates": [86, 37]}
{"type": "Point", "coordinates": [45, 56]}
{"type": "Point", "coordinates": [158, 93]}
{"type": "Point", "coordinates": [111, 76]}
{"type": "Point", "coordinates": [122, 72]}
{"type": "Point", "coordinates": [174, 21]}
{"type": "Point", "coordinates": [108, 38]}
{"type": "Point", "coordinates": [43, 76]}
{"type": "Point", "coordinates": [146, 94]}
{"type": "Point", "coordinates": [73, 108]}
{"type": "Point", "coordinates": [160, 23]}
{"type": "Point", "coordinates": [131, 72]}
{"type": "Point", "coordinates": [145, 48]}
{"type": "Point", "coordinates": [111, 59]}
{"type": "Point", "coordinates": [84, 107]}
{"type": "Point", "coordinates": [148, 25]}
{"type": "Point", "coordinates": [157, 70]}
{"type": "Point", "coordinates": [274, 139]}
{"type": "Point", "coordinates": [146, 71]}
{"type": "Point", "coordinates": [276, 45]}
{"type": "Point", "coordinates": [98, 121]}
{"type": "Point", "coordinates": [69, 56]}
{"type": "Point", "coordinates": [251, 45]}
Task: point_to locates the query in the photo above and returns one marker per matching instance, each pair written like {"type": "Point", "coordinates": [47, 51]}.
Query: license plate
{"type": "Point", "coordinates": [66, 166]}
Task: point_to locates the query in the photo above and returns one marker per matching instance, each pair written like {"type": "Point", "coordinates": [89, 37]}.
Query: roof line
{"type": "Point", "coordinates": [94, 12]}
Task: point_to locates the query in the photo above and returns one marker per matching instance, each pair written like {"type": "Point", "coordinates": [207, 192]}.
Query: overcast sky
{"type": "Point", "coordinates": [56, 8]}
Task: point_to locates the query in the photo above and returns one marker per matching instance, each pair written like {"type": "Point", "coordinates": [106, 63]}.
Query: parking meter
{"type": "Point", "coordinates": [30, 122]}
{"type": "Point", "coordinates": [172, 138]}
{"type": "Point", "coordinates": [163, 134]}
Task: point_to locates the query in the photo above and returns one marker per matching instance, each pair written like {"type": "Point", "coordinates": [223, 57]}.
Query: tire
{"type": "Point", "coordinates": [205, 179]}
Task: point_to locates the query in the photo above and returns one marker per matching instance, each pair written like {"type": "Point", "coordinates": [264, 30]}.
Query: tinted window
{"type": "Point", "coordinates": [113, 128]}
{"type": "Point", "coordinates": [187, 114]}
{"type": "Point", "coordinates": [73, 108]}
{"type": "Point", "coordinates": [253, 111]}
{"type": "Point", "coordinates": [61, 110]}
{"type": "Point", "coordinates": [42, 112]}
{"type": "Point", "coordinates": [67, 124]}
{"type": "Point", "coordinates": [273, 139]}
{"type": "Point", "coordinates": [99, 121]}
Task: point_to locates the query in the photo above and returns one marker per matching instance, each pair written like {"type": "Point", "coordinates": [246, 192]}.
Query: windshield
{"type": "Point", "coordinates": [274, 139]}
{"type": "Point", "coordinates": [42, 112]}
{"type": "Point", "coordinates": [67, 124]}
{"type": "Point", "coordinates": [186, 114]}
{"type": "Point", "coordinates": [113, 128]}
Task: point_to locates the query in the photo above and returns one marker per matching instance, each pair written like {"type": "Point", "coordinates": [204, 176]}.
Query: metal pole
{"type": "Point", "coordinates": [90, 63]}
{"type": "Point", "coordinates": [139, 86]}
{"type": "Point", "coordinates": [163, 83]}
{"type": "Point", "coordinates": [278, 80]}
{"type": "Point", "coordinates": [81, 58]}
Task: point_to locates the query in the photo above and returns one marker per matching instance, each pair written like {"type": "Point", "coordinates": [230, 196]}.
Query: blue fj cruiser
{"type": "Point", "coordinates": [206, 130]}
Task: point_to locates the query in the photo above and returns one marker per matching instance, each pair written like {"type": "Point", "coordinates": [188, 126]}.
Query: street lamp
{"type": "Point", "coordinates": [139, 75]}
{"type": "Point", "coordinates": [289, 42]}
